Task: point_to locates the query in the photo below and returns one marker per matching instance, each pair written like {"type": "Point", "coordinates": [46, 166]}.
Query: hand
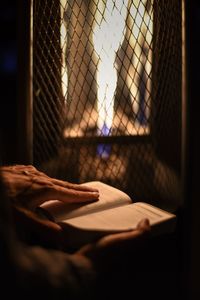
{"type": "Point", "coordinates": [27, 188]}
{"type": "Point", "coordinates": [114, 247]}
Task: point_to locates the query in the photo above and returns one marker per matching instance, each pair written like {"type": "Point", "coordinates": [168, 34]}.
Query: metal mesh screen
{"type": "Point", "coordinates": [107, 93]}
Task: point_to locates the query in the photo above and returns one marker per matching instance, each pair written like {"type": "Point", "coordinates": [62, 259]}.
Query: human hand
{"type": "Point", "coordinates": [114, 247]}
{"type": "Point", "coordinates": [28, 188]}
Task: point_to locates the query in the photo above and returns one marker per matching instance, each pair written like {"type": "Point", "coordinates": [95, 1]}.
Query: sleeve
{"type": "Point", "coordinates": [33, 272]}
{"type": "Point", "coordinates": [53, 274]}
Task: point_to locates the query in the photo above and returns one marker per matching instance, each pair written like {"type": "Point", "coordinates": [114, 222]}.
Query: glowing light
{"type": "Point", "coordinates": [139, 74]}
{"type": "Point", "coordinates": [63, 44]}
{"type": "Point", "coordinates": [114, 22]}
{"type": "Point", "coordinates": [108, 35]}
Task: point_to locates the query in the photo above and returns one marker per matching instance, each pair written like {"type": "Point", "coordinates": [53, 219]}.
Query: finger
{"type": "Point", "coordinates": [125, 237]}
{"type": "Point", "coordinates": [66, 192]}
{"type": "Point", "coordinates": [116, 238]}
{"type": "Point", "coordinates": [78, 187]}
{"type": "Point", "coordinates": [62, 183]}
{"type": "Point", "coordinates": [68, 195]}
{"type": "Point", "coordinates": [25, 167]}
{"type": "Point", "coordinates": [34, 219]}
{"type": "Point", "coordinates": [27, 170]}
{"type": "Point", "coordinates": [42, 192]}
{"type": "Point", "coordinates": [20, 168]}
{"type": "Point", "coordinates": [29, 224]}
{"type": "Point", "coordinates": [144, 225]}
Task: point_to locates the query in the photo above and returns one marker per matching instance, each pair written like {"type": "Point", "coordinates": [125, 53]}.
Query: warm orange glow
{"type": "Point", "coordinates": [63, 42]}
{"type": "Point", "coordinates": [107, 38]}
{"type": "Point", "coordinates": [141, 42]}
{"type": "Point", "coordinates": [113, 22]}
{"type": "Point", "coordinates": [109, 33]}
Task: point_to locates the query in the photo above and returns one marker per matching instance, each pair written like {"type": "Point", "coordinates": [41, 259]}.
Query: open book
{"type": "Point", "coordinates": [114, 212]}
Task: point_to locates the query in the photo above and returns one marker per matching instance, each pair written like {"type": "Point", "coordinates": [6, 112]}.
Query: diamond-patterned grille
{"type": "Point", "coordinates": [107, 93]}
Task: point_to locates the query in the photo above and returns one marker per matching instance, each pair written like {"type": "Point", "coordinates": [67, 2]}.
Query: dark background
{"type": "Point", "coordinates": [190, 230]}
{"type": "Point", "coordinates": [8, 77]}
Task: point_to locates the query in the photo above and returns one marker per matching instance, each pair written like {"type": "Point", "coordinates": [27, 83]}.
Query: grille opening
{"type": "Point", "coordinates": [107, 94]}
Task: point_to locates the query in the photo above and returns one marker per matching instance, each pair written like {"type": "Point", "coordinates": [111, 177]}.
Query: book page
{"type": "Point", "coordinates": [109, 197]}
{"type": "Point", "coordinates": [121, 218]}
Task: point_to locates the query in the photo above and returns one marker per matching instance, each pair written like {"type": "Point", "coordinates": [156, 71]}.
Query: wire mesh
{"type": "Point", "coordinates": [107, 93]}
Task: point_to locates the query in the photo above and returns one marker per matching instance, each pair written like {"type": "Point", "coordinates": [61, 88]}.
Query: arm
{"type": "Point", "coordinates": [56, 274]}
{"type": "Point", "coordinates": [27, 188]}
{"type": "Point", "coordinates": [33, 272]}
{"type": "Point", "coordinates": [52, 274]}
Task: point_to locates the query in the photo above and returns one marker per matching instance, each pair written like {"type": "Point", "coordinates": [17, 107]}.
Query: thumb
{"type": "Point", "coordinates": [32, 229]}
{"type": "Point", "coordinates": [144, 225]}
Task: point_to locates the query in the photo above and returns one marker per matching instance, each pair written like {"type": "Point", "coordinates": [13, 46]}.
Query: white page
{"type": "Point", "coordinates": [121, 218]}
{"type": "Point", "coordinates": [109, 197]}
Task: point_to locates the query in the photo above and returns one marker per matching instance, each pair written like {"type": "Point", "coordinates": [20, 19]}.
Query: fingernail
{"type": "Point", "coordinates": [95, 191]}
{"type": "Point", "coordinates": [146, 222]}
{"type": "Point", "coordinates": [95, 194]}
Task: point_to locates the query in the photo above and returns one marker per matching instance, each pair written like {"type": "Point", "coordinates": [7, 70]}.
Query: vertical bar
{"type": "Point", "coordinates": [24, 84]}
{"type": "Point", "coordinates": [191, 159]}
{"type": "Point", "coordinates": [48, 100]}
{"type": "Point", "coordinates": [166, 82]}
